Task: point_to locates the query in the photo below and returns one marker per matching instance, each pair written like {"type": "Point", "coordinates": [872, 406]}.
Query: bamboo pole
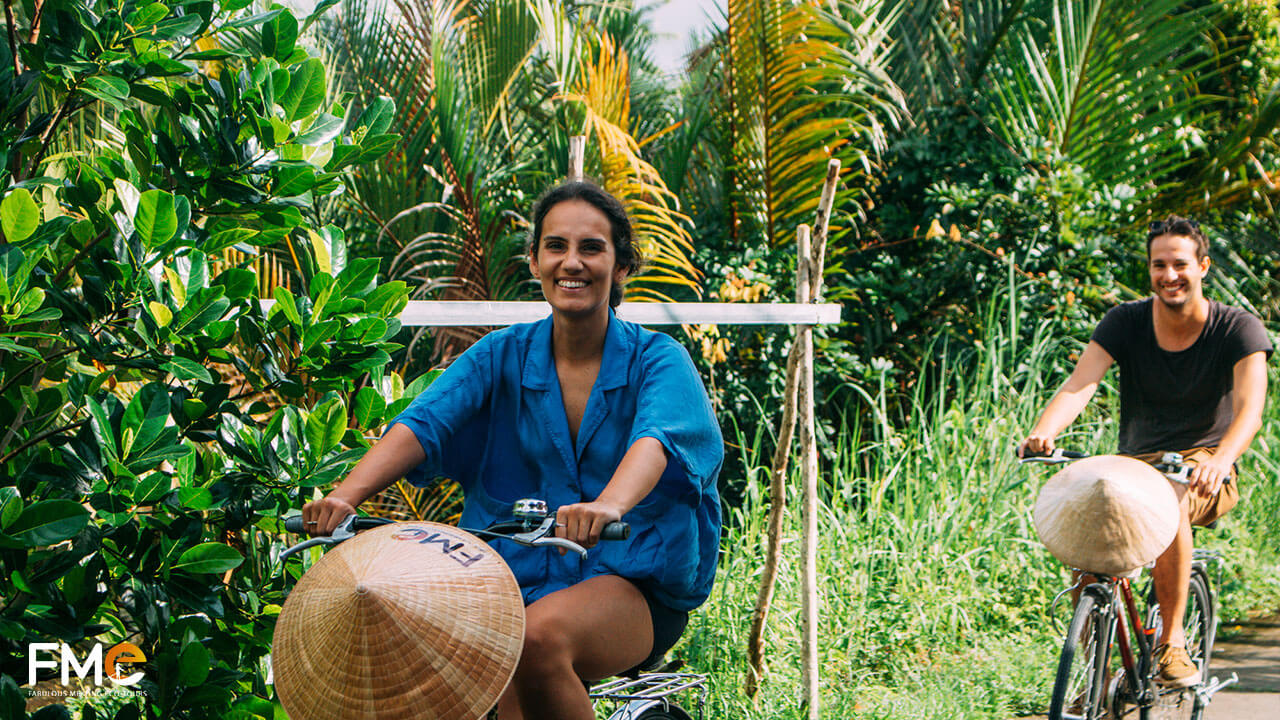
{"type": "Point", "coordinates": [577, 151]}
{"type": "Point", "coordinates": [786, 431]}
{"type": "Point", "coordinates": [809, 474]}
{"type": "Point", "coordinates": [777, 507]}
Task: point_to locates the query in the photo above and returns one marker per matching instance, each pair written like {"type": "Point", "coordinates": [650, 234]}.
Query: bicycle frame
{"type": "Point", "coordinates": [1137, 666]}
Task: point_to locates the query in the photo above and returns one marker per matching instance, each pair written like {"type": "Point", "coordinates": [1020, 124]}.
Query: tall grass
{"type": "Point", "coordinates": [935, 593]}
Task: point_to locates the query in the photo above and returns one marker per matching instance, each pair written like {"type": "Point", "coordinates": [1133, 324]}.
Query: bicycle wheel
{"type": "Point", "coordinates": [1079, 690]}
{"type": "Point", "coordinates": [1198, 622]}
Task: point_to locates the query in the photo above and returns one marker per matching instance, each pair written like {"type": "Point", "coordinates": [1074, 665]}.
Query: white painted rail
{"type": "Point", "coordinates": [461, 313]}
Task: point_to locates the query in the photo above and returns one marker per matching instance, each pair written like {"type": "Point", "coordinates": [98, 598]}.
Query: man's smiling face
{"type": "Point", "coordinates": [1177, 275]}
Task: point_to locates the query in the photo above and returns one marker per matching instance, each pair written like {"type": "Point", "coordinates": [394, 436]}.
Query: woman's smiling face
{"type": "Point", "coordinates": [575, 259]}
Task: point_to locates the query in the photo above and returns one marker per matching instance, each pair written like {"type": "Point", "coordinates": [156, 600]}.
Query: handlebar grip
{"type": "Point", "coordinates": [1059, 452]}
{"type": "Point", "coordinates": [294, 523]}
{"type": "Point", "coordinates": [616, 531]}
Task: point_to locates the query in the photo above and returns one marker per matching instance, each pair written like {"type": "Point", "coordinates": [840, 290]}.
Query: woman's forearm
{"type": "Point", "coordinates": [390, 459]}
{"type": "Point", "coordinates": [636, 476]}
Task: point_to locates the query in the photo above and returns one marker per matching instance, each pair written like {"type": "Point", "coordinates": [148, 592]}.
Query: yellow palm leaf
{"type": "Point", "coordinates": [661, 230]}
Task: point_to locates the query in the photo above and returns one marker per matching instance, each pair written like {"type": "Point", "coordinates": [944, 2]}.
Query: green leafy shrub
{"type": "Point", "coordinates": [157, 419]}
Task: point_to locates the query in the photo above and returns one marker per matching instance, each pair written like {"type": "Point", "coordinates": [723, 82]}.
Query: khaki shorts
{"type": "Point", "coordinates": [1203, 510]}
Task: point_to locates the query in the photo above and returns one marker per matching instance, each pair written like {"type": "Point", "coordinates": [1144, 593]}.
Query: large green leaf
{"type": "Point", "coordinates": [279, 34]}
{"type": "Point", "coordinates": [325, 427]}
{"type": "Point", "coordinates": [19, 215]}
{"type": "Point", "coordinates": [188, 369]}
{"type": "Point", "coordinates": [208, 305]}
{"type": "Point", "coordinates": [209, 557]}
{"type": "Point", "coordinates": [193, 663]}
{"type": "Point", "coordinates": [368, 408]}
{"type": "Point", "coordinates": [48, 522]}
{"type": "Point", "coordinates": [306, 90]}
{"type": "Point", "coordinates": [148, 14]}
{"type": "Point", "coordinates": [10, 505]}
{"type": "Point", "coordinates": [325, 128]}
{"type": "Point", "coordinates": [111, 90]}
{"type": "Point", "coordinates": [156, 220]}
{"type": "Point", "coordinates": [330, 248]}
{"type": "Point", "coordinates": [376, 118]}
{"type": "Point", "coordinates": [100, 421]}
{"type": "Point", "coordinates": [144, 419]}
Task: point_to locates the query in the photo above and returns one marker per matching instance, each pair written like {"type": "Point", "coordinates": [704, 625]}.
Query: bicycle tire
{"type": "Point", "coordinates": [671, 712]}
{"type": "Point", "coordinates": [1079, 687]}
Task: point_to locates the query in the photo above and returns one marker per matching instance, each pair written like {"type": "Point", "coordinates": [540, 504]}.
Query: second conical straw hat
{"type": "Point", "coordinates": [411, 620]}
{"type": "Point", "coordinates": [1107, 514]}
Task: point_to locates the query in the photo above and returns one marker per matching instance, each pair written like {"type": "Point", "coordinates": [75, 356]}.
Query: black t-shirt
{"type": "Point", "coordinates": [1172, 401]}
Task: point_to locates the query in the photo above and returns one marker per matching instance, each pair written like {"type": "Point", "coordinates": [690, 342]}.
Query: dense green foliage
{"type": "Point", "coordinates": [158, 420]}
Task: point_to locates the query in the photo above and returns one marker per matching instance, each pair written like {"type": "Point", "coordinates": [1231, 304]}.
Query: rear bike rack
{"type": "Point", "coordinates": [648, 690]}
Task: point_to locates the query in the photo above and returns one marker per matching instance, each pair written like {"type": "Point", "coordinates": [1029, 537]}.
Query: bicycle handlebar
{"type": "Point", "coordinates": [536, 528]}
{"type": "Point", "coordinates": [1057, 457]}
{"type": "Point", "coordinates": [1170, 465]}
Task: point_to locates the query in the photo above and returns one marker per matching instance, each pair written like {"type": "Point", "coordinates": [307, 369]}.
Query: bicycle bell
{"type": "Point", "coordinates": [529, 509]}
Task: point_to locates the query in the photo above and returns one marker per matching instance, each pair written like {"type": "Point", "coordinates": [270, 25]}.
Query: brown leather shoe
{"type": "Point", "coordinates": [1174, 667]}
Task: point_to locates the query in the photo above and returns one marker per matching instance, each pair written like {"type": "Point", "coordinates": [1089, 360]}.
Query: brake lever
{"type": "Point", "coordinates": [562, 543]}
{"type": "Point", "coordinates": [533, 536]}
{"type": "Point", "coordinates": [544, 535]}
{"type": "Point", "coordinates": [340, 533]}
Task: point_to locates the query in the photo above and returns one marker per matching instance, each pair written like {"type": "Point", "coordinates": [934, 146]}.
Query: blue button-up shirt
{"type": "Point", "coordinates": [495, 422]}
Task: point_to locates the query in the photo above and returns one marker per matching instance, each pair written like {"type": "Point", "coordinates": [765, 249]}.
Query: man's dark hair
{"type": "Point", "coordinates": [624, 246]}
{"type": "Point", "coordinates": [1176, 225]}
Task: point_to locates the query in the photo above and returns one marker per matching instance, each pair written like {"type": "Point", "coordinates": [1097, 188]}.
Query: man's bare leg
{"type": "Point", "coordinates": [1172, 577]}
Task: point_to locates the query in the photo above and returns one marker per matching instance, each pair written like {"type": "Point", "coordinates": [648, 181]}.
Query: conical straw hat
{"type": "Point", "coordinates": [412, 620]}
{"type": "Point", "coordinates": [1107, 514]}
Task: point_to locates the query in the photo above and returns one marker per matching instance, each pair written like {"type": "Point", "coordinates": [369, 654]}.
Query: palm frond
{"type": "Point", "coordinates": [805, 85]}
{"type": "Point", "coordinates": [660, 227]}
{"type": "Point", "coordinates": [1106, 90]}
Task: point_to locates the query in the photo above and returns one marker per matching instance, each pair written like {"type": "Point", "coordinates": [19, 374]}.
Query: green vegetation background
{"type": "Point", "coordinates": [166, 165]}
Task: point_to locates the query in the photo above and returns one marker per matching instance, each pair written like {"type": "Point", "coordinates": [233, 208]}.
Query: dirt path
{"type": "Point", "coordinates": [1254, 655]}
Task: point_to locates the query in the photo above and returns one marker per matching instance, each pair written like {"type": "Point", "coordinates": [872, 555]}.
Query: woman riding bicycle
{"type": "Point", "coordinates": [597, 416]}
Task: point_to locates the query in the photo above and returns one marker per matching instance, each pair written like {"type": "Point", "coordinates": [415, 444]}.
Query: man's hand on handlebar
{"type": "Point", "coordinates": [1036, 444]}
{"type": "Point", "coordinates": [320, 517]}
{"type": "Point", "coordinates": [1207, 477]}
{"type": "Point", "coordinates": [584, 522]}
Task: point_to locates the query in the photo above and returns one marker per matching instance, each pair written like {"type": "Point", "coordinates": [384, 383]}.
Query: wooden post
{"type": "Point", "coordinates": [577, 150]}
{"type": "Point", "coordinates": [809, 475]}
{"type": "Point", "coordinates": [813, 260]}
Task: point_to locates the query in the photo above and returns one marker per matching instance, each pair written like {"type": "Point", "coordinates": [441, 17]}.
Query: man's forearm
{"type": "Point", "coordinates": [1062, 410]}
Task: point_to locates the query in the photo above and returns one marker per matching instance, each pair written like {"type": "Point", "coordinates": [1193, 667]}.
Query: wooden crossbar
{"type": "Point", "coordinates": [460, 313]}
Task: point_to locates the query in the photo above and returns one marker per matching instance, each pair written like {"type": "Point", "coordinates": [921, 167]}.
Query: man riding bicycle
{"type": "Point", "coordinates": [1193, 379]}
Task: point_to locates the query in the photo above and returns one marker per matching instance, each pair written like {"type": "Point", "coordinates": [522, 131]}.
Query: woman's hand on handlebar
{"type": "Point", "coordinates": [583, 522]}
{"type": "Point", "coordinates": [321, 516]}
